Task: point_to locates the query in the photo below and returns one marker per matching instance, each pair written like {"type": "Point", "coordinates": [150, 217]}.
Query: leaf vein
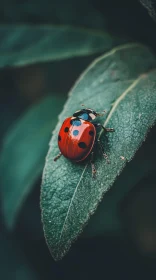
{"type": "Point", "coordinates": [119, 99]}
{"type": "Point", "coordinates": [63, 227]}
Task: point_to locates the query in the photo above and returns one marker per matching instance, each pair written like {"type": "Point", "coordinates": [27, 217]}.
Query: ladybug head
{"type": "Point", "coordinates": [86, 114]}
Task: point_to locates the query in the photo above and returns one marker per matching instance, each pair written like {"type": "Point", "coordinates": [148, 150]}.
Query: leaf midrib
{"type": "Point", "coordinates": [119, 99]}
{"type": "Point", "coordinates": [72, 201]}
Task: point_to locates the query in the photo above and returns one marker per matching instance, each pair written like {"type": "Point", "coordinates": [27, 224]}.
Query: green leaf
{"type": "Point", "coordinates": [123, 83]}
{"type": "Point", "coordinates": [28, 44]}
{"type": "Point", "coordinates": [23, 154]}
{"type": "Point", "coordinates": [14, 264]}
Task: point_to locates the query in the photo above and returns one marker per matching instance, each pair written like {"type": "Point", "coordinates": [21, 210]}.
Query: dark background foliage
{"type": "Point", "coordinates": [23, 252]}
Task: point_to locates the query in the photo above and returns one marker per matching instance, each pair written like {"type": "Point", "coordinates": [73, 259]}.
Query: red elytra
{"type": "Point", "coordinates": [76, 138]}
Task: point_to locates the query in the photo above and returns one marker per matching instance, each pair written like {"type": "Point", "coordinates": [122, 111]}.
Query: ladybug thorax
{"type": "Point", "coordinates": [85, 114]}
{"type": "Point", "coordinates": [84, 117]}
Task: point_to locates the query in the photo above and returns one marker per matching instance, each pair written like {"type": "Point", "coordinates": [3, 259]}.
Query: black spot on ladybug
{"type": "Point", "coordinates": [59, 138]}
{"type": "Point", "coordinates": [82, 145]}
{"type": "Point", "coordinates": [75, 122]}
{"type": "Point", "coordinates": [66, 129]}
{"type": "Point", "coordinates": [91, 133]}
{"type": "Point", "coordinates": [75, 132]}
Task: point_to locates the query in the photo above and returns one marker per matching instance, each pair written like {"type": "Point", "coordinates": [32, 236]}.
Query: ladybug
{"type": "Point", "coordinates": [77, 137]}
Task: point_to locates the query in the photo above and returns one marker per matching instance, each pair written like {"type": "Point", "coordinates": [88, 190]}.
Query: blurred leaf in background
{"type": "Point", "coordinates": [23, 154]}
{"type": "Point", "coordinates": [28, 44]}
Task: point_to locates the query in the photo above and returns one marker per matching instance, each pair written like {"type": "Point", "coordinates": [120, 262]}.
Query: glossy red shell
{"type": "Point", "coordinates": [76, 138]}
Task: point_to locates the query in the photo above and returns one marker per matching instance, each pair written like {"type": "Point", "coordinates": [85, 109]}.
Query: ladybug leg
{"type": "Point", "coordinates": [104, 128]}
{"type": "Point", "coordinates": [108, 129]}
{"type": "Point", "coordinates": [58, 156]}
{"type": "Point", "coordinates": [102, 151]}
{"type": "Point", "coordinates": [92, 165]}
